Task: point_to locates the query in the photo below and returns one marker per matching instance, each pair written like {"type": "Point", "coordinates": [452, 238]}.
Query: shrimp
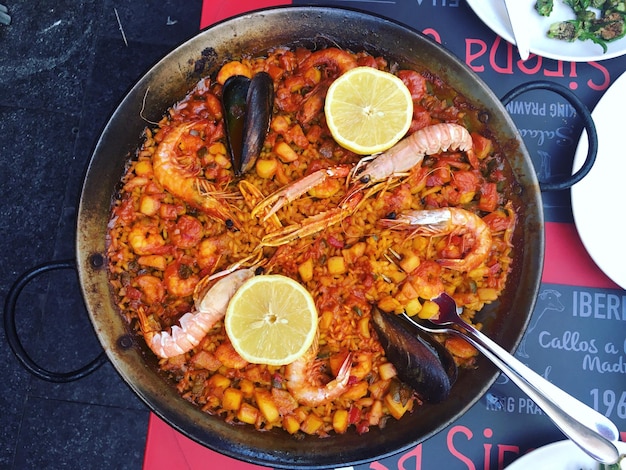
{"type": "Point", "coordinates": [183, 182]}
{"type": "Point", "coordinates": [306, 383]}
{"type": "Point", "coordinates": [313, 103]}
{"type": "Point", "coordinates": [410, 152]}
{"type": "Point", "coordinates": [332, 57]}
{"type": "Point", "coordinates": [446, 221]}
{"type": "Point", "coordinates": [194, 326]}
{"type": "Point", "coordinates": [145, 238]}
{"type": "Point", "coordinates": [271, 204]}
{"type": "Point", "coordinates": [393, 163]}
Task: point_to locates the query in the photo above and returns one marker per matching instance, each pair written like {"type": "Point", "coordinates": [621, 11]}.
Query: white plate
{"type": "Point", "coordinates": [562, 455]}
{"type": "Point", "coordinates": [493, 14]}
{"type": "Point", "coordinates": [599, 199]}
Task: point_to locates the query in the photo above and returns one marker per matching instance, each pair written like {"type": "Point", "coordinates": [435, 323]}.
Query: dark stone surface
{"type": "Point", "coordinates": [64, 67]}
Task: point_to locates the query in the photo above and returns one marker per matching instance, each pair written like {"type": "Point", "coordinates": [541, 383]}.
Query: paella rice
{"type": "Point", "coordinates": [182, 216]}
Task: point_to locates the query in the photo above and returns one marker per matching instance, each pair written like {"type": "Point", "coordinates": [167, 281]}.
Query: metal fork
{"type": "Point", "coordinates": [594, 433]}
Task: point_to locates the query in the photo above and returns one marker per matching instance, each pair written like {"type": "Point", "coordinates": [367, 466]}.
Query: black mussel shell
{"type": "Point", "coordinates": [421, 362]}
{"type": "Point", "coordinates": [234, 102]}
{"type": "Point", "coordinates": [260, 104]}
{"type": "Point", "coordinates": [248, 105]}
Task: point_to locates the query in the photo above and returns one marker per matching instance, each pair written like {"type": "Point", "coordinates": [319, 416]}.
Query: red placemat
{"type": "Point", "coordinates": [167, 449]}
{"type": "Point", "coordinates": [213, 11]}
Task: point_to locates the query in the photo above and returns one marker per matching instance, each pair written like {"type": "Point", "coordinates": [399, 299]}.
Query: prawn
{"type": "Point", "coordinates": [332, 57]}
{"type": "Point", "coordinates": [145, 238]}
{"type": "Point", "coordinates": [393, 163]}
{"type": "Point", "coordinates": [306, 383]}
{"type": "Point", "coordinates": [183, 182]}
{"type": "Point", "coordinates": [194, 326]}
{"type": "Point", "coordinates": [448, 221]}
{"type": "Point", "coordinates": [271, 204]}
{"type": "Point", "coordinates": [410, 152]}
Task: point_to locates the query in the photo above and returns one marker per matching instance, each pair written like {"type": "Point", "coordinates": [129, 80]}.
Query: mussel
{"type": "Point", "coordinates": [248, 105]}
{"type": "Point", "coordinates": [421, 362]}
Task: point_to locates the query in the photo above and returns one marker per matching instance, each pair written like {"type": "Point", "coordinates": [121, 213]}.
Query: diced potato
{"type": "Point", "coordinates": [222, 161]}
{"type": "Point", "coordinates": [387, 371]}
{"type": "Point", "coordinates": [218, 381]}
{"type": "Point", "coordinates": [467, 197]}
{"type": "Point", "coordinates": [356, 391]}
{"type": "Point", "coordinates": [429, 310]}
{"type": "Point", "coordinates": [311, 424]}
{"type": "Point", "coordinates": [358, 249]}
{"type": "Point", "coordinates": [340, 421]}
{"type": "Point", "coordinates": [232, 399]}
{"type": "Point", "coordinates": [247, 387]}
{"type": "Point", "coordinates": [154, 261]}
{"type": "Point", "coordinates": [409, 262]}
{"type": "Point", "coordinates": [397, 276]}
{"type": "Point", "coordinates": [247, 413]}
{"type": "Point", "coordinates": [396, 409]}
{"type": "Point", "coordinates": [266, 167]}
{"type": "Point", "coordinates": [285, 153]}
{"type": "Point", "coordinates": [306, 270]}
{"type": "Point", "coordinates": [266, 404]}
{"type": "Point", "coordinates": [388, 304]}
{"type": "Point", "coordinates": [291, 424]}
{"type": "Point", "coordinates": [217, 148]}
{"type": "Point", "coordinates": [143, 168]}
{"type": "Point", "coordinates": [487, 294]}
{"type": "Point", "coordinates": [413, 307]}
{"type": "Point", "coordinates": [326, 319]}
{"type": "Point", "coordinates": [149, 205]}
{"type": "Point", "coordinates": [336, 265]}
{"type": "Point", "coordinates": [363, 327]}
{"type": "Point", "coordinates": [280, 124]}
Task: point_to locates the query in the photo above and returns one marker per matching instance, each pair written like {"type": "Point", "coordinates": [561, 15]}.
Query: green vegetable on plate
{"type": "Point", "coordinates": [599, 21]}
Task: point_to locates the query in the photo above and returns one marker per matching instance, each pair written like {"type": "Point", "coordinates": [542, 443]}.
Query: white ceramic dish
{"type": "Point", "coordinates": [598, 200]}
{"type": "Point", "coordinates": [493, 14]}
{"type": "Point", "coordinates": [562, 455]}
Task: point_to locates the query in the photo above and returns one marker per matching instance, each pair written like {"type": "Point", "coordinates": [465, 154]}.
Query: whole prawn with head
{"type": "Point", "coordinates": [210, 307]}
{"type": "Point", "coordinates": [448, 221]}
{"type": "Point", "coordinates": [180, 176]}
{"type": "Point", "coordinates": [368, 172]}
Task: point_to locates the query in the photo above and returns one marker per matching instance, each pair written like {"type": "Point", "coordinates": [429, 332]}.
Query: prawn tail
{"type": "Point", "coordinates": [180, 340]}
{"type": "Point", "coordinates": [344, 373]}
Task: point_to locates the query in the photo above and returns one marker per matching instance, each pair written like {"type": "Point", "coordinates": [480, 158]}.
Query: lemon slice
{"type": "Point", "coordinates": [271, 320]}
{"type": "Point", "coordinates": [368, 110]}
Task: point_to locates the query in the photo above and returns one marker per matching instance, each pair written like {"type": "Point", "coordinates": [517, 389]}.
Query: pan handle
{"type": "Point", "coordinates": [13, 338]}
{"type": "Point", "coordinates": [585, 115]}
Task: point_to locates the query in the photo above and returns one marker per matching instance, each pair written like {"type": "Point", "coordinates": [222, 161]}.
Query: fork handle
{"type": "Point", "coordinates": [593, 432]}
